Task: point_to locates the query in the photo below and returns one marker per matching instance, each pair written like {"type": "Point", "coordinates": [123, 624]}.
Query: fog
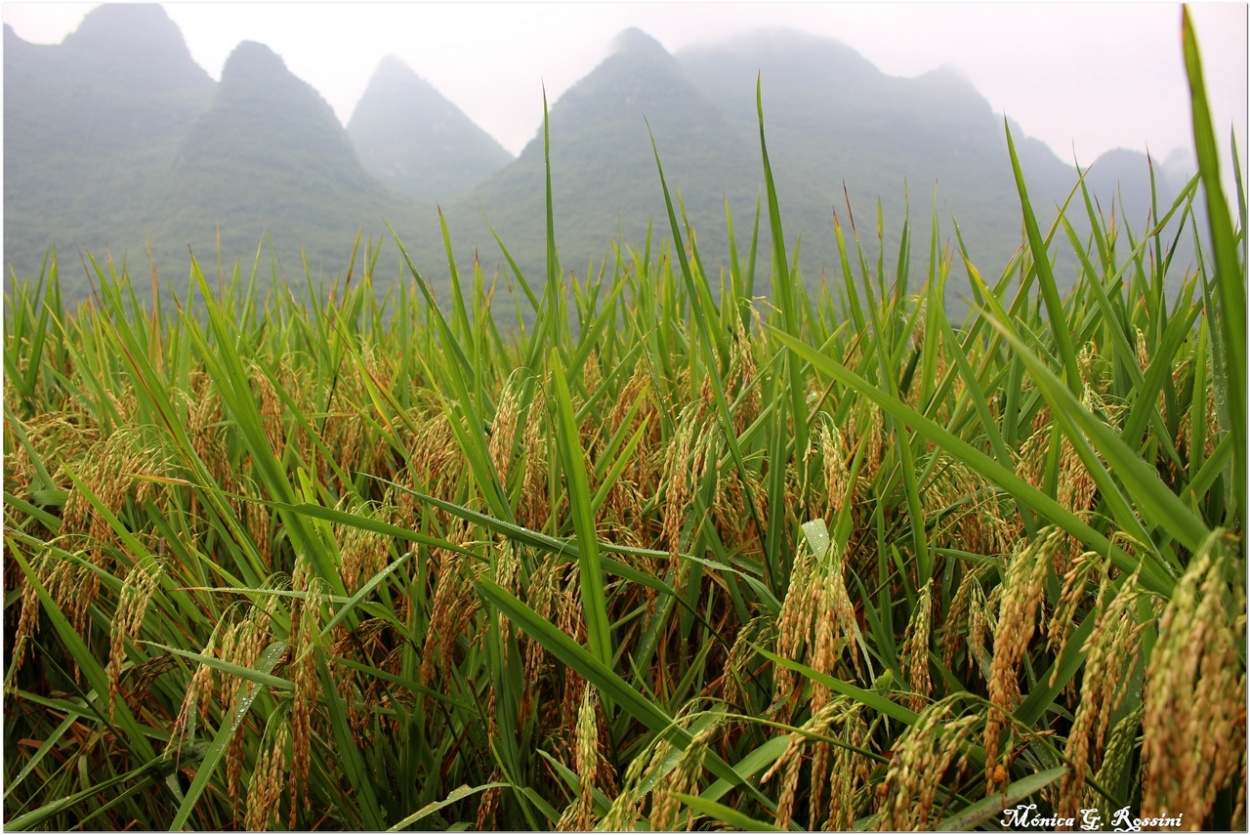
{"type": "Point", "coordinates": [1084, 78]}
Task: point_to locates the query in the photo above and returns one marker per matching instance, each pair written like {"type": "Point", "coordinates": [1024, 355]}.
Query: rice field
{"type": "Point", "coordinates": [653, 547]}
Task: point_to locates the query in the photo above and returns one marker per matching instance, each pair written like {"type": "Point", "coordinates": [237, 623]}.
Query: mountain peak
{"type": "Point", "coordinates": [392, 65]}
{"type": "Point", "coordinates": [949, 72]}
{"type": "Point", "coordinates": [637, 42]}
{"type": "Point", "coordinates": [261, 102]}
{"type": "Point", "coordinates": [415, 140]}
{"type": "Point", "coordinates": [135, 45]}
{"type": "Point", "coordinates": [119, 22]}
{"type": "Point", "coordinates": [250, 58]}
{"type": "Point", "coordinates": [13, 42]}
{"type": "Point", "coordinates": [255, 77]}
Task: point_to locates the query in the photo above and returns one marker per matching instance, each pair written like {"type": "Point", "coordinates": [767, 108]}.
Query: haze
{"type": "Point", "coordinates": [1084, 78]}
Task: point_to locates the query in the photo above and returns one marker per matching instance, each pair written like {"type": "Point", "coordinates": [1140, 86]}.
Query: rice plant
{"type": "Point", "coordinates": [673, 551]}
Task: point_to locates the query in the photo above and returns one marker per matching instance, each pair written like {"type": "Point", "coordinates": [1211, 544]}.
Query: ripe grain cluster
{"type": "Point", "coordinates": [677, 550]}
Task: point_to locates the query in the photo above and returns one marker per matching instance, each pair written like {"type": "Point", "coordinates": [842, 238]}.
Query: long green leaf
{"type": "Point", "coordinates": [1152, 577]}
{"type": "Point", "coordinates": [1156, 502]}
{"type": "Point", "coordinates": [455, 796]}
{"type": "Point", "coordinates": [594, 602]}
{"type": "Point", "coordinates": [609, 684]}
{"type": "Point", "coordinates": [1230, 274]}
{"type": "Point", "coordinates": [732, 818]}
{"type": "Point", "coordinates": [966, 819]}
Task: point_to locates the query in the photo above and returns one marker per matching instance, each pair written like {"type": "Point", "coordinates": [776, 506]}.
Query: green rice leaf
{"type": "Point", "coordinates": [455, 796]}
{"type": "Point", "coordinates": [977, 813]}
{"type": "Point", "coordinates": [731, 818]}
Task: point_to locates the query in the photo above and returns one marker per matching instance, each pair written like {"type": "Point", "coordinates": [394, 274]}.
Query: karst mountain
{"type": "Point", "coordinates": [116, 141]}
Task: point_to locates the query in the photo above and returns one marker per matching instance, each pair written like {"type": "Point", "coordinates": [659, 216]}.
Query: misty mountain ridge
{"type": "Point", "coordinates": [413, 138]}
{"type": "Point", "coordinates": [604, 180]}
{"type": "Point", "coordinates": [92, 127]}
{"type": "Point", "coordinates": [171, 154]}
{"type": "Point", "coordinates": [268, 146]}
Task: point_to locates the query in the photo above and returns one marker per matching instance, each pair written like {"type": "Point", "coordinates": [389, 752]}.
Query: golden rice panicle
{"type": "Point", "coordinates": [196, 701]}
{"type": "Point", "coordinates": [741, 380]}
{"type": "Point", "coordinates": [816, 623]}
{"type": "Point", "coordinates": [1076, 489]}
{"type": "Point", "coordinates": [944, 499]}
{"type": "Point", "coordinates": [544, 586]}
{"type": "Point", "coordinates": [916, 648]}
{"type": "Point", "coordinates": [503, 428]}
{"type": "Point", "coordinates": [837, 616]}
{"type": "Point", "coordinates": [1022, 596]}
{"type": "Point", "coordinates": [789, 792]}
{"type": "Point", "coordinates": [794, 624]}
{"type": "Point", "coordinates": [637, 386]}
{"type": "Point", "coordinates": [205, 429]}
{"type": "Point", "coordinates": [736, 527]}
{"type": "Point", "coordinates": [264, 789]}
{"type": "Point", "coordinates": [849, 774]}
{"type": "Point", "coordinates": [507, 569]}
{"type": "Point", "coordinates": [580, 816]}
{"type": "Point", "coordinates": [982, 624]}
{"type": "Point", "coordinates": [1111, 652]}
{"type": "Point", "coordinates": [242, 645]}
{"type": "Point", "coordinates": [589, 761]}
{"type": "Point", "coordinates": [434, 458]}
{"type": "Point", "coordinates": [258, 519]}
{"type": "Point", "coordinates": [28, 616]}
{"type": "Point", "coordinates": [507, 577]}
{"type": "Point", "coordinates": [991, 525]}
{"type": "Point", "coordinates": [132, 605]}
{"type": "Point", "coordinates": [452, 610]}
{"type": "Point", "coordinates": [362, 553]}
{"type": "Point", "coordinates": [740, 655]}
{"type": "Point", "coordinates": [272, 412]}
{"type": "Point", "coordinates": [833, 465]}
{"type": "Point", "coordinates": [111, 470]}
{"type": "Point", "coordinates": [790, 760]}
{"type": "Point", "coordinates": [959, 616]}
{"type": "Point", "coordinates": [680, 472]}
{"type": "Point", "coordinates": [570, 617]}
{"type": "Point", "coordinates": [683, 778]}
{"type": "Point", "coordinates": [624, 511]}
{"type": "Point", "coordinates": [922, 757]}
{"type": "Point", "coordinates": [305, 637]}
{"type": "Point", "coordinates": [1084, 570]}
{"type": "Point", "coordinates": [1194, 729]}
{"type": "Point", "coordinates": [367, 643]}
{"type": "Point", "coordinates": [537, 445]}
{"type": "Point", "coordinates": [488, 809]}
{"type": "Point", "coordinates": [234, 750]}
{"type": "Point", "coordinates": [1184, 428]}
{"type": "Point", "coordinates": [871, 432]}
{"type": "Point", "coordinates": [63, 436]}
{"type": "Point", "coordinates": [626, 809]}
{"type": "Point", "coordinates": [842, 770]}
{"type": "Point", "coordinates": [1117, 759]}
{"type": "Point", "coordinates": [1143, 350]}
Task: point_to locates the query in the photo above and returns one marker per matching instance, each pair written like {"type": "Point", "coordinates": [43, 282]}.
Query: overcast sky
{"type": "Point", "coordinates": [1082, 77]}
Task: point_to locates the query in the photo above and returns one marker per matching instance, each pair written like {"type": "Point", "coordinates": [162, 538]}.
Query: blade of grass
{"type": "Point", "coordinates": [609, 684]}
{"type": "Point", "coordinates": [968, 818]}
{"type": "Point", "coordinates": [1152, 577]}
{"type": "Point", "coordinates": [731, 818]}
{"type": "Point", "coordinates": [1230, 273]}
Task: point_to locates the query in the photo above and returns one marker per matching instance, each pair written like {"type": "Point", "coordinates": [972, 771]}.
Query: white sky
{"type": "Point", "coordinates": [1079, 76]}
